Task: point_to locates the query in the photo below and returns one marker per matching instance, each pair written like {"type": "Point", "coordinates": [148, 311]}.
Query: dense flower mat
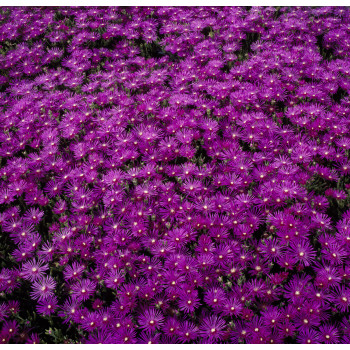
{"type": "Point", "coordinates": [174, 175]}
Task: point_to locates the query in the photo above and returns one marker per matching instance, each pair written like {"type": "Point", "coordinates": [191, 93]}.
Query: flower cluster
{"type": "Point", "coordinates": [175, 175]}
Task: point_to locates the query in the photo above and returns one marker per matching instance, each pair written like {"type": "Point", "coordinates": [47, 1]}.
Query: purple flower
{"type": "Point", "coordinates": [212, 328]}
{"type": "Point", "coordinates": [43, 288]}
{"type": "Point", "coordinates": [151, 319]}
{"type": "Point", "coordinates": [83, 289]}
{"type": "Point", "coordinates": [47, 307]}
{"type": "Point", "coordinates": [33, 270]}
{"type": "Point", "coordinates": [182, 166]}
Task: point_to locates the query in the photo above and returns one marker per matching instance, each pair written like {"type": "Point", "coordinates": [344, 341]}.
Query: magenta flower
{"type": "Point", "coordinates": [213, 328]}
{"type": "Point", "coordinates": [151, 319]}
{"type": "Point", "coordinates": [43, 288]}
{"type": "Point", "coordinates": [83, 289]}
{"type": "Point", "coordinates": [175, 174]}
{"type": "Point", "coordinates": [34, 270]}
{"type": "Point", "coordinates": [48, 306]}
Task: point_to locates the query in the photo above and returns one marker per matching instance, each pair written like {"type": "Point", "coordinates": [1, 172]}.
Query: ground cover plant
{"type": "Point", "coordinates": [174, 175]}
